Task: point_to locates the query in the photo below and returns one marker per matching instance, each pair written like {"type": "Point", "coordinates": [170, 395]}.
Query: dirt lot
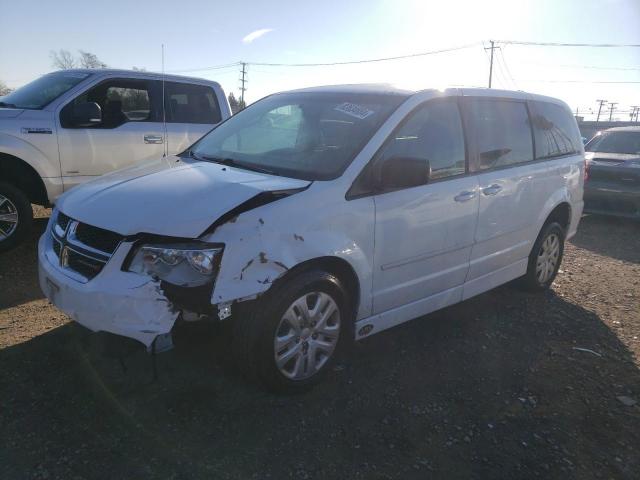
{"type": "Point", "coordinates": [492, 388]}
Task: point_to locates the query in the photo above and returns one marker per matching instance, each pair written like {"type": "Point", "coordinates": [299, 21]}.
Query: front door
{"type": "Point", "coordinates": [424, 234]}
{"type": "Point", "coordinates": [131, 130]}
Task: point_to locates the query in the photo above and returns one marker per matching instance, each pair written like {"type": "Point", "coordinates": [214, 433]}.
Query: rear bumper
{"type": "Point", "coordinates": [606, 199]}
{"type": "Point", "coordinates": [114, 301]}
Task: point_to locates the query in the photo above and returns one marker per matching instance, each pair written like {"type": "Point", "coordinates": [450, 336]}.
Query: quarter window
{"type": "Point", "coordinates": [502, 132]}
{"type": "Point", "coordinates": [433, 132]}
{"type": "Point", "coordinates": [555, 131]}
{"type": "Point", "coordinates": [188, 103]}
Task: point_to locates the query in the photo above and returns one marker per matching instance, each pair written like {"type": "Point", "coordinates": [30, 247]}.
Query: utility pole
{"type": "Point", "coordinates": [612, 105]}
{"type": "Point", "coordinates": [243, 81]}
{"type": "Point", "coordinates": [492, 48]}
{"type": "Point", "coordinates": [634, 112]}
{"type": "Point", "coordinates": [602, 102]}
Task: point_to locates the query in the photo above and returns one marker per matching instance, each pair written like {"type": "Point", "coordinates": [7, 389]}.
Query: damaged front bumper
{"type": "Point", "coordinates": [115, 301]}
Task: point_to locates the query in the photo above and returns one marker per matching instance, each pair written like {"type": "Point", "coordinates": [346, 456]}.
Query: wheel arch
{"type": "Point", "coordinates": [20, 174]}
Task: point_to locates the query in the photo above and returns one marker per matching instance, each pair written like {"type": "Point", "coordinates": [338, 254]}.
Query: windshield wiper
{"type": "Point", "coordinates": [7, 105]}
{"type": "Point", "coordinates": [231, 163]}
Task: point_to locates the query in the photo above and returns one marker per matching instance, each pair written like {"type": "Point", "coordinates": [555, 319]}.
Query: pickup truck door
{"type": "Point", "coordinates": [131, 130]}
{"type": "Point", "coordinates": [191, 111]}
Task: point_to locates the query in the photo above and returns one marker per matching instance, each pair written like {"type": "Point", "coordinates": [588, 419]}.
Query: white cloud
{"type": "Point", "coordinates": [257, 34]}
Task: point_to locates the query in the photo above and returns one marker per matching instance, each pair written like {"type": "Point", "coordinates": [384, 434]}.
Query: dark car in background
{"type": "Point", "coordinates": [613, 162]}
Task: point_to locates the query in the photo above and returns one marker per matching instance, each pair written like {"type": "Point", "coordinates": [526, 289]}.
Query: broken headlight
{"type": "Point", "coordinates": [184, 264]}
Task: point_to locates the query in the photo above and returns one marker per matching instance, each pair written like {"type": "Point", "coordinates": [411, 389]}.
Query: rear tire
{"type": "Point", "coordinates": [545, 258]}
{"type": "Point", "coordinates": [290, 338]}
{"type": "Point", "coordinates": [16, 216]}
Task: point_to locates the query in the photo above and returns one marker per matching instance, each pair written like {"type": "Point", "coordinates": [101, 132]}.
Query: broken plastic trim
{"type": "Point", "coordinates": [263, 198]}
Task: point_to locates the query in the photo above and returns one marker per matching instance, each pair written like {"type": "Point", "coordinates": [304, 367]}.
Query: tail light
{"type": "Point", "coordinates": [586, 170]}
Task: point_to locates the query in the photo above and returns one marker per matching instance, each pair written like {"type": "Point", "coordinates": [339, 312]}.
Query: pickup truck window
{"type": "Point", "coordinates": [188, 103]}
{"type": "Point", "coordinates": [121, 101]}
{"type": "Point", "coordinates": [44, 90]}
{"type": "Point", "coordinates": [306, 135]}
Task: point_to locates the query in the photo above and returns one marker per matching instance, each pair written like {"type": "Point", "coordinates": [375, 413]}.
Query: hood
{"type": "Point", "coordinates": [172, 197]}
{"type": "Point", "coordinates": [10, 112]}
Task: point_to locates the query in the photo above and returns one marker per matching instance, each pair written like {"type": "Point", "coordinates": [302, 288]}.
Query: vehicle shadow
{"type": "Point", "coordinates": [494, 387]}
{"type": "Point", "coordinates": [611, 236]}
{"type": "Point", "coordinates": [19, 269]}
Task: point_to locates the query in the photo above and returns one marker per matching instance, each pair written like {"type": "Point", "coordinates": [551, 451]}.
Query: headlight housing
{"type": "Point", "coordinates": [183, 264]}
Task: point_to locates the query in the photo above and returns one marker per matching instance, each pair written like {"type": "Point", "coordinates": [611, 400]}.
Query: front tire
{"type": "Point", "coordinates": [545, 258]}
{"type": "Point", "coordinates": [16, 216]}
{"type": "Point", "coordinates": [290, 338]}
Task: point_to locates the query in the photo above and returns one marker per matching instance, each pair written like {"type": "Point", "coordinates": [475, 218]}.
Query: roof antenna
{"type": "Point", "coordinates": [164, 113]}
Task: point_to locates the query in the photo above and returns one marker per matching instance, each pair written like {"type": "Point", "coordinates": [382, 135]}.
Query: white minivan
{"type": "Point", "coordinates": [319, 216]}
{"type": "Point", "coordinates": [70, 126]}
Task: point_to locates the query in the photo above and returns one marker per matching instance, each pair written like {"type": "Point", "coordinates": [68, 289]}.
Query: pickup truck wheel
{"type": "Point", "coordinates": [545, 258]}
{"type": "Point", "coordinates": [292, 336]}
{"type": "Point", "coordinates": [16, 216]}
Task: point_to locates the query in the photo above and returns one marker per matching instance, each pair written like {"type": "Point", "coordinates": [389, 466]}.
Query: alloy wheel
{"type": "Point", "coordinates": [8, 217]}
{"type": "Point", "coordinates": [307, 335]}
{"type": "Point", "coordinates": [547, 258]}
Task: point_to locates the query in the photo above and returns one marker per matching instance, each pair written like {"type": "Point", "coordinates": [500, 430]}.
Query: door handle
{"type": "Point", "coordinates": [153, 139]}
{"type": "Point", "coordinates": [464, 196]}
{"type": "Point", "coordinates": [492, 189]}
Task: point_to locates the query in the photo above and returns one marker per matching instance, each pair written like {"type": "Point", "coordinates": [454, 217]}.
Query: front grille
{"type": "Point", "coordinates": [62, 220]}
{"type": "Point", "coordinates": [86, 266]}
{"type": "Point", "coordinates": [82, 248]}
{"type": "Point", "coordinates": [98, 238]}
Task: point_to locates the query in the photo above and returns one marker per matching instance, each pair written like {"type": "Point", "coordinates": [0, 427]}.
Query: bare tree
{"type": "Point", "coordinates": [4, 90]}
{"type": "Point", "coordinates": [62, 59]}
{"type": "Point", "coordinates": [90, 60]}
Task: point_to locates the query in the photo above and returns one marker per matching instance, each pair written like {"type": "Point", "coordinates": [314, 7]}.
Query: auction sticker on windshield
{"type": "Point", "coordinates": [354, 110]}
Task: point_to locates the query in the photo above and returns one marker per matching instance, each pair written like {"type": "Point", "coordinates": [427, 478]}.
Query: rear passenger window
{"type": "Point", "coordinates": [432, 132]}
{"type": "Point", "coordinates": [555, 131]}
{"type": "Point", "coordinates": [191, 104]}
{"type": "Point", "coordinates": [502, 132]}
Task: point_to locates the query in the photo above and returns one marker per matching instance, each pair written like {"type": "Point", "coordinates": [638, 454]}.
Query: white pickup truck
{"type": "Point", "coordinates": [70, 126]}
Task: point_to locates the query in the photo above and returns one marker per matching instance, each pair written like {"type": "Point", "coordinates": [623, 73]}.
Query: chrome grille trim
{"type": "Point", "coordinates": [70, 251]}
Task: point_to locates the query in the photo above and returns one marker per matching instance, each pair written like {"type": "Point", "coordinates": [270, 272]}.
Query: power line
{"type": "Point", "coordinates": [577, 81]}
{"type": "Point", "coordinates": [371, 60]}
{"type": "Point", "coordinates": [215, 67]}
{"type": "Point", "coordinates": [555, 44]}
{"type": "Point", "coordinates": [506, 67]}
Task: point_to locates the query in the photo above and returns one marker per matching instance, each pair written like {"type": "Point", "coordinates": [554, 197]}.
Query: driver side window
{"type": "Point", "coordinates": [120, 101]}
{"type": "Point", "coordinates": [432, 132]}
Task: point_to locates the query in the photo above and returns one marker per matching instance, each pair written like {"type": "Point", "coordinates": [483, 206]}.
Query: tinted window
{"type": "Point", "coordinates": [191, 104]}
{"type": "Point", "coordinates": [121, 101]}
{"type": "Point", "coordinates": [555, 131]}
{"type": "Point", "coordinates": [615, 142]}
{"type": "Point", "coordinates": [502, 132]}
{"type": "Point", "coordinates": [39, 93]}
{"type": "Point", "coordinates": [433, 132]}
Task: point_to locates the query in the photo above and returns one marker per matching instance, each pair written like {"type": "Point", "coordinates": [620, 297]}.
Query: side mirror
{"type": "Point", "coordinates": [403, 172]}
{"type": "Point", "coordinates": [87, 114]}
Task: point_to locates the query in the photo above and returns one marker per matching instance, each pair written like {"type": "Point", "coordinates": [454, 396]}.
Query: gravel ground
{"type": "Point", "coordinates": [505, 385]}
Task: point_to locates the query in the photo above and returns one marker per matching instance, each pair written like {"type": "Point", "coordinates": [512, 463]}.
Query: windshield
{"type": "Point", "coordinates": [39, 93]}
{"type": "Point", "coordinates": [308, 135]}
{"type": "Point", "coordinates": [615, 142]}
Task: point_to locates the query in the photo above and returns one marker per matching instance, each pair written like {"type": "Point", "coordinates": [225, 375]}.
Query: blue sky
{"type": "Point", "coordinates": [199, 33]}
